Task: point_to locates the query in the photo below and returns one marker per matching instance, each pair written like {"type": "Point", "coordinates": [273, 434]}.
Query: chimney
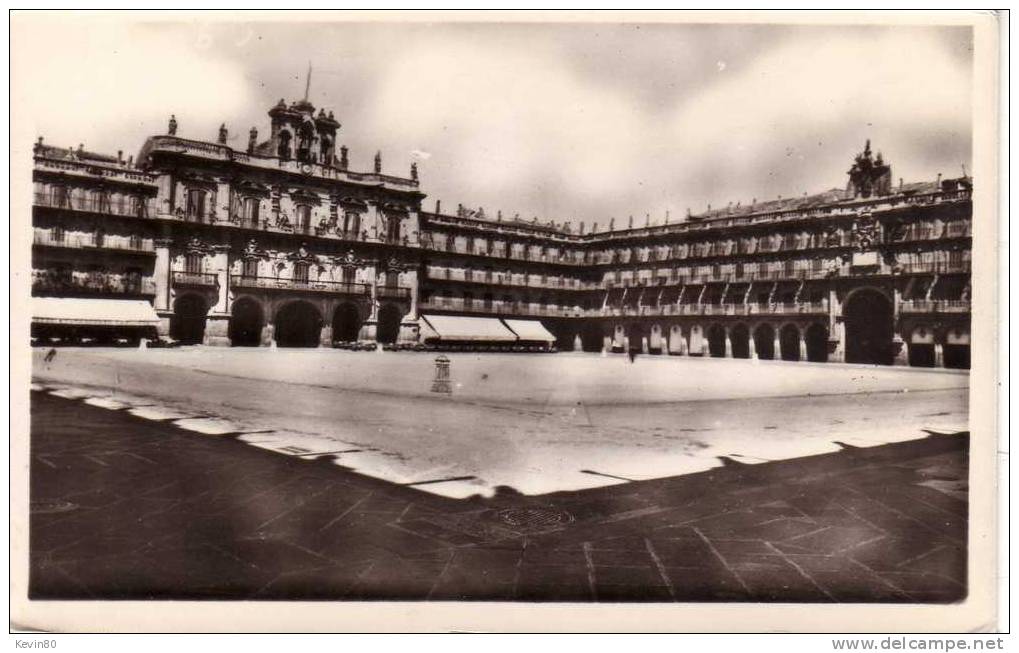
{"type": "Point", "coordinates": [938, 183]}
{"type": "Point", "coordinates": [438, 207]}
{"type": "Point", "coordinates": [120, 156]}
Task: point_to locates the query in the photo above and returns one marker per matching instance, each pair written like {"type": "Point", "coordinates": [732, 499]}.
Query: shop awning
{"type": "Point", "coordinates": [93, 312]}
{"type": "Point", "coordinates": [530, 330]}
{"type": "Point", "coordinates": [474, 329]}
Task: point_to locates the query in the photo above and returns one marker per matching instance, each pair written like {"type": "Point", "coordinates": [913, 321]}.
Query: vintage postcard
{"type": "Point", "coordinates": [436, 321]}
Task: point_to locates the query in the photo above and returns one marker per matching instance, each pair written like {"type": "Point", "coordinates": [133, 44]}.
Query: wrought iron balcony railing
{"type": "Point", "coordinates": [136, 208]}
{"type": "Point", "coordinates": [393, 292]}
{"type": "Point", "coordinates": [276, 283]}
{"type": "Point", "coordinates": [195, 279]}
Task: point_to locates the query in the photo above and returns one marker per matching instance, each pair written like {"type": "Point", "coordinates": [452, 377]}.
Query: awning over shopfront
{"type": "Point", "coordinates": [455, 328]}
{"type": "Point", "coordinates": [530, 330]}
{"type": "Point", "coordinates": [93, 312]}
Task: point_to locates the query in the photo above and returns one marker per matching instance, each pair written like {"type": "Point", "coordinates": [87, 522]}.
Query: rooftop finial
{"type": "Point", "coordinates": [307, 83]}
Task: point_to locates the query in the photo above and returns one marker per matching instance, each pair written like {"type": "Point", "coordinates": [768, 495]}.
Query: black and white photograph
{"type": "Point", "coordinates": [535, 310]}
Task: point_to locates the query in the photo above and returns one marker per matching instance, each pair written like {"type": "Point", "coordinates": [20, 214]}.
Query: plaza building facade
{"type": "Point", "coordinates": [282, 244]}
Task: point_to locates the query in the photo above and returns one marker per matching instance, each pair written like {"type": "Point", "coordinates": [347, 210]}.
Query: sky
{"type": "Point", "coordinates": [578, 122]}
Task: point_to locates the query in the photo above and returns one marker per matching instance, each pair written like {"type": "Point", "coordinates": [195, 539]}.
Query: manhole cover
{"type": "Point", "coordinates": [534, 517]}
{"type": "Point", "coordinates": [50, 506]}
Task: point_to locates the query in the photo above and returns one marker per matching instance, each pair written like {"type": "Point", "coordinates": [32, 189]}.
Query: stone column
{"type": "Point", "coordinates": [752, 347]}
{"type": "Point", "coordinates": [803, 346]}
{"type": "Point", "coordinates": [728, 343]}
{"type": "Point", "coordinates": [606, 344]}
{"type": "Point", "coordinates": [644, 345]}
{"type": "Point", "coordinates": [901, 350]}
{"type": "Point", "coordinates": [939, 355]}
{"type": "Point", "coordinates": [267, 333]}
{"type": "Point", "coordinates": [325, 338]}
{"type": "Point", "coordinates": [372, 220]}
{"type": "Point", "coordinates": [221, 210]}
{"type": "Point", "coordinates": [161, 275]}
{"type": "Point", "coordinates": [412, 282]}
{"type": "Point", "coordinates": [221, 267]}
{"type": "Point", "coordinates": [217, 321]}
{"type": "Point", "coordinates": [778, 346]}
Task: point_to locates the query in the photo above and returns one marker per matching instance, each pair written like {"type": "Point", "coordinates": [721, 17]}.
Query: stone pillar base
{"type": "Point", "coordinates": [325, 337]}
{"type": "Point", "coordinates": [901, 352]}
{"type": "Point", "coordinates": [217, 331]}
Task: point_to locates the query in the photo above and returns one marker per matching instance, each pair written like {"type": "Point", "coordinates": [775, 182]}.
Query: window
{"type": "Point", "coordinates": [58, 234]}
{"type": "Point", "coordinates": [61, 196]}
{"type": "Point", "coordinates": [349, 275]}
{"type": "Point", "coordinates": [136, 206]}
{"type": "Point", "coordinates": [301, 272]}
{"type": "Point", "coordinates": [193, 263]}
{"type": "Point", "coordinates": [133, 280]}
{"type": "Point", "coordinates": [303, 218]}
{"type": "Point", "coordinates": [100, 201]}
{"type": "Point", "coordinates": [284, 146]}
{"type": "Point", "coordinates": [249, 268]}
{"type": "Point", "coordinates": [250, 210]}
{"type": "Point", "coordinates": [100, 237]}
{"type": "Point", "coordinates": [196, 204]}
{"type": "Point", "coordinates": [135, 242]}
{"type": "Point", "coordinates": [351, 223]}
{"type": "Point", "coordinates": [393, 228]}
{"type": "Point", "coordinates": [392, 279]}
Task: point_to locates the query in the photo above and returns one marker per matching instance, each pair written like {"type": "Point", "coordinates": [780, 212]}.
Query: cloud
{"type": "Point", "coordinates": [111, 84]}
{"type": "Point", "coordinates": [559, 121]}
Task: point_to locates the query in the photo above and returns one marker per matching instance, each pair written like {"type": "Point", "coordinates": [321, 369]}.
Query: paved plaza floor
{"type": "Point", "coordinates": [531, 424]}
{"type": "Point", "coordinates": [127, 506]}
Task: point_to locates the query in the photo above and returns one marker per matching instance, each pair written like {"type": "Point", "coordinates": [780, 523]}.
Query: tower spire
{"type": "Point", "coordinates": [307, 83]}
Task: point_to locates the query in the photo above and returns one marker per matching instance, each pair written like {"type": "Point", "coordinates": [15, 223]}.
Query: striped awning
{"type": "Point", "coordinates": [458, 328]}
{"type": "Point", "coordinates": [93, 312]}
{"type": "Point", "coordinates": [530, 330]}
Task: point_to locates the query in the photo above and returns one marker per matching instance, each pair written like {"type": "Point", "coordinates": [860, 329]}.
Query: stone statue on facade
{"type": "Point", "coordinates": [222, 134]}
{"type": "Point", "coordinates": [378, 163]}
{"type": "Point", "coordinates": [172, 127]}
{"type": "Point", "coordinates": [414, 171]}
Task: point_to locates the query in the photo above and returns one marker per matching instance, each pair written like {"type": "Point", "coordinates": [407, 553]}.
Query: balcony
{"type": "Point", "coordinates": [195, 279]}
{"type": "Point", "coordinates": [935, 267]}
{"type": "Point", "coordinates": [499, 307]}
{"type": "Point", "coordinates": [55, 282]}
{"type": "Point", "coordinates": [398, 293]}
{"type": "Point", "coordinates": [92, 241]}
{"type": "Point", "coordinates": [187, 147]}
{"type": "Point", "coordinates": [935, 306]}
{"type": "Point", "coordinates": [300, 285]}
{"type": "Point", "coordinates": [136, 208]}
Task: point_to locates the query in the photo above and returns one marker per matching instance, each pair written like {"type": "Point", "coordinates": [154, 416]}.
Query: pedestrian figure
{"type": "Point", "coordinates": [50, 355]}
{"type": "Point", "coordinates": [633, 355]}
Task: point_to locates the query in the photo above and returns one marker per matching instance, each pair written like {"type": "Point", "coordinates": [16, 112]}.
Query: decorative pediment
{"type": "Point", "coordinates": [348, 201]}
{"type": "Point", "coordinates": [351, 260]}
{"type": "Point", "coordinates": [392, 264]}
{"type": "Point", "coordinates": [253, 251]}
{"type": "Point", "coordinates": [198, 179]}
{"type": "Point", "coordinates": [248, 187]}
{"type": "Point", "coordinates": [304, 195]}
{"type": "Point", "coordinates": [302, 254]}
{"type": "Point", "coordinates": [197, 246]}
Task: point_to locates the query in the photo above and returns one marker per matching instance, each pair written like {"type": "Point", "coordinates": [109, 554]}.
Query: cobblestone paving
{"type": "Point", "coordinates": [122, 507]}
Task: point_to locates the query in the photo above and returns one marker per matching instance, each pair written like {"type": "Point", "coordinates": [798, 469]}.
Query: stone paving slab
{"type": "Point", "coordinates": [126, 507]}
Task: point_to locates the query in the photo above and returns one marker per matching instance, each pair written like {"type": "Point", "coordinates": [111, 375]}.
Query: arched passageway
{"type": "Point", "coordinates": [635, 334]}
{"type": "Point", "coordinates": [389, 324]}
{"type": "Point", "coordinates": [591, 338]}
{"type": "Point", "coordinates": [789, 341]}
{"type": "Point", "coordinates": [245, 323]}
{"type": "Point", "coordinates": [817, 343]}
{"type": "Point", "coordinates": [188, 322]}
{"type": "Point", "coordinates": [716, 341]}
{"type": "Point", "coordinates": [298, 324]}
{"type": "Point", "coordinates": [740, 337]}
{"type": "Point", "coordinates": [764, 342]}
{"type": "Point", "coordinates": [869, 317]}
{"type": "Point", "coordinates": [346, 323]}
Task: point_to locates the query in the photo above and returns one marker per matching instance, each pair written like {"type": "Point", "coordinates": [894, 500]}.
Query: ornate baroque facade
{"type": "Point", "coordinates": [282, 243]}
